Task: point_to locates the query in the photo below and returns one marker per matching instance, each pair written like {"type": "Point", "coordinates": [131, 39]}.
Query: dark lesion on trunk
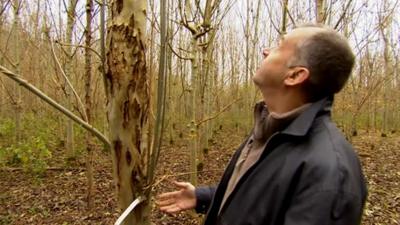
{"type": "Point", "coordinates": [118, 153]}
{"type": "Point", "coordinates": [126, 109]}
{"type": "Point", "coordinates": [128, 157]}
{"type": "Point", "coordinates": [119, 4]}
{"type": "Point", "coordinates": [137, 181]}
{"type": "Point", "coordinates": [136, 107]}
{"type": "Point", "coordinates": [110, 86]}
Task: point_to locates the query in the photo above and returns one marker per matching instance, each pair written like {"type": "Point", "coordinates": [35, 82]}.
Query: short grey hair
{"type": "Point", "coordinates": [328, 57]}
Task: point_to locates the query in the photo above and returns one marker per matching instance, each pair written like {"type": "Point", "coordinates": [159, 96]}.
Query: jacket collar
{"type": "Point", "coordinates": [301, 125]}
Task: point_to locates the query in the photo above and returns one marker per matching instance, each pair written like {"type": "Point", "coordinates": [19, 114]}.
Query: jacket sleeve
{"type": "Point", "coordinates": [204, 196]}
{"type": "Point", "coordinates": [325, 207]}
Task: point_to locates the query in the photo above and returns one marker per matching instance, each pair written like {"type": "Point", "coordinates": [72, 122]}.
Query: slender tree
{"type": "Point", "coordinates": [17, 60]}
{"type": "Point", "coordinates": [202, 23]}
{"type": "Point", "coordinates": [285, 7]}
{"type": "Point", "coordinates": [320, 11]}
{"type": "Point", "coordinates": [88, 101]}
{"type": "Point", "coordinates": [2, 99]}
{"type": "Point", "coordinates": [68, 71]}
{"type": "Point", "coordinates": [384, 29]}
{"type": "Point", "coordinates": [161, 92]}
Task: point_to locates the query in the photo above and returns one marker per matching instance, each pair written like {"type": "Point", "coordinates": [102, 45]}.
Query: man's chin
{"type": "Point", "coordinates": [256, 81]}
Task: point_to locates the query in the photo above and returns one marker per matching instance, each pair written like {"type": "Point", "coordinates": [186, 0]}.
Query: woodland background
{"type": "Point", "coordinates": [200, 104]}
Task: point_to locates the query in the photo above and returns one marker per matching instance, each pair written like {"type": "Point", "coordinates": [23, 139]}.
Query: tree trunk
{"type": "Point", "coordinates": [68, 70]}
{"type": "Point", "coordinates": [254, 58]}
{"type": "Point", "coordinates": [247, 36]}
{"type": "Point", "coordinates": [285, 5]}
{"type": "Point", "coordinates": [384, 29]}
{"type": "Point", "coordinates": [387, 86]}
{"type": "Point", "coordinates": [103, 55]}
{"type": "Point", "coordinates": [161, 94]}
{"type": "Point", "coordinates": [17, 88]}
{"type": "Point", "coordinates": [194, 130]}
{"type": "Point", "coordinates": [88, 102]}
{"type": "Point", "coordinates": [207, 54]}
{"type": "Point", "coordinates": [320, 11]}
{"type": "Point", "coordinates": [2, 92]}
{"type": "Point", "coordinates": [202, 38]}
{"type": "Point", "coordinates": [128, 104]}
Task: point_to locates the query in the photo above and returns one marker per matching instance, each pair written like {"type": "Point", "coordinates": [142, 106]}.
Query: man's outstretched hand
{"type": "Point", "coordinates": [177, 201]}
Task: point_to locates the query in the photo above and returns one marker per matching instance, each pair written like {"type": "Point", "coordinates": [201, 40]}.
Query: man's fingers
{"type": "Point", "coordinates": [166, 202]}
{"type": "Point", "coordinates": [169, 202]}
{"type": "Point", "coordinates": [167, 195]}
{"type": "Point", "coordinates": [182, 184]}
{"type": "Point", "coordinates": [171, 209]}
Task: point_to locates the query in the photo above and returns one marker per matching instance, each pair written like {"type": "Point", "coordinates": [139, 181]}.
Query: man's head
{"type": "Point", "coordinates": [310, 61]}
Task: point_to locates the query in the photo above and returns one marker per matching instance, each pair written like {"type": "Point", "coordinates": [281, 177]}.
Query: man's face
{"type": "Point", "coordinates": [275, 66]}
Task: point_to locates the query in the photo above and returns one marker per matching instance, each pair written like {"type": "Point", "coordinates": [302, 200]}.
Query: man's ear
{"type": "Point", "coordinates": [297, 76]}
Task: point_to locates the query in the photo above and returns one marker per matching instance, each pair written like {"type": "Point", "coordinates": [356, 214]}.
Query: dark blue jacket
{"type": "Point", "coordinates": [308, 174]}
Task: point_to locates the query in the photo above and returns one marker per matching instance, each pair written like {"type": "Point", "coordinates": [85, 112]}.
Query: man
{"type": "Point", "coordinates": [296, 168]}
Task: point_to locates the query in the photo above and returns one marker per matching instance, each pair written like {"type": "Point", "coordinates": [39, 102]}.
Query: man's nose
{"type": "Point", "coordinates": [266, 52]}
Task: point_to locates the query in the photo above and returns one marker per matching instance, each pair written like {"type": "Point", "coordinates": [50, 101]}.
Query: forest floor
{"type": "Point", "coordinates": [58, 196]}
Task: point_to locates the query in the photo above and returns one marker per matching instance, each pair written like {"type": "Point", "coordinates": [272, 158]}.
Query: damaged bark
{"type": "Point", "coordinates": [127, 86]}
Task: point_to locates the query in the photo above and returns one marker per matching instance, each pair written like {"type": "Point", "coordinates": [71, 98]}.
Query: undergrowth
{"type": "Point", "coordinates": [33, 151]}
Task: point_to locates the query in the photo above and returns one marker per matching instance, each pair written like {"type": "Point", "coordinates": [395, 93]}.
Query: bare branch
{"type": "Point", "coordinates": [290, 16]}
{"type": "Point", "coordinates": [4, 7]}
{"type": "Point", "coordinates": [80, 46]}
{"type": "Point", "coordinates": [272, 22]}
{"type": "Point", "coordinates": [55, 105]}
{"type": "Point", "coordinates": [343, 14]}
{"type": "Point", "coordinates": [78, 99]}
{"type": "Point", "coordinates": [218, 113]}
{"type": "Point", "coordinates": [177, 54]}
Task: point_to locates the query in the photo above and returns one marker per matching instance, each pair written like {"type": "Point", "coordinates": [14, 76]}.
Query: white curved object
{"type": "Point", "coordinates": [129, 209]}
